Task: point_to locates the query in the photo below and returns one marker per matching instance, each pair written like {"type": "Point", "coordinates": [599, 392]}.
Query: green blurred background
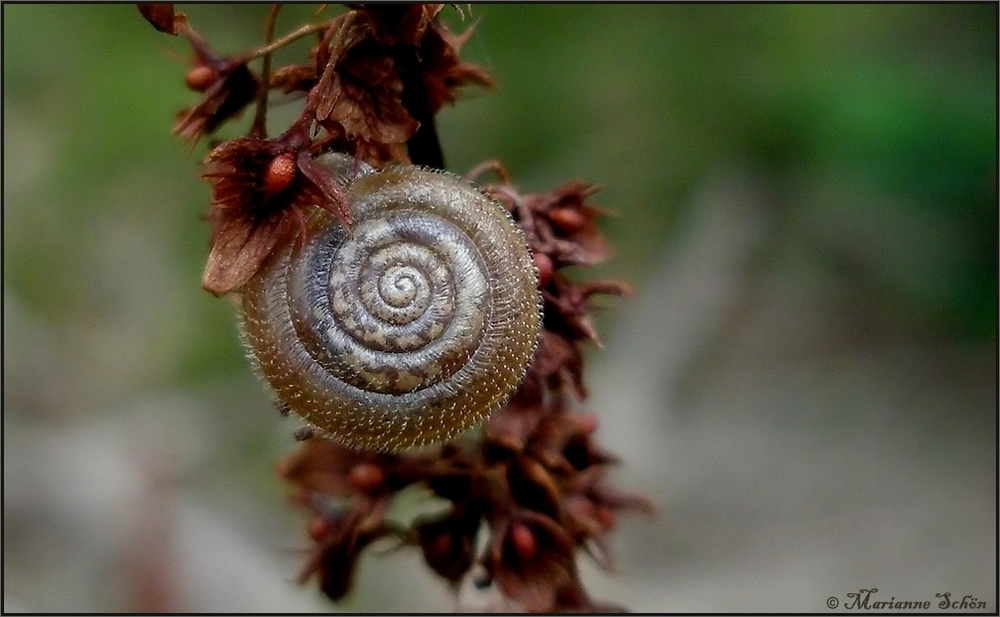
{"type": "Point", "coordinates": [867, 132]}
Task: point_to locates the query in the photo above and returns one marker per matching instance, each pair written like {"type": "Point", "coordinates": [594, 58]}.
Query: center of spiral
{"type": "Point", "coordinates": [398, 286]}
{"type": "Point", "coordinates": [408, 298]}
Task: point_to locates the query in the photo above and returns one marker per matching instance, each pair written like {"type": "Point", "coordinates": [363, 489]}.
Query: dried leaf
{"type": "Point", "coordinates": [162, 17]}
{"type": "Point", "coordinates": [239, 248]}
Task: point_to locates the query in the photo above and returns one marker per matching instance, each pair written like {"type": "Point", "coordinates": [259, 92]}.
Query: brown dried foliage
{"type": "Point", "coordinates": [534, 477]}
{"type": "Point", "coordinates": [368, 66]}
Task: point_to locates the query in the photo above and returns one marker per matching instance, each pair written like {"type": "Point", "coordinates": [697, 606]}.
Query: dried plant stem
{"type": "Point", "coordinates": [289, 38]}
{"type": "Point", "coordinates": [495, 166]}
{"type": "Point", "coordinates": [259, 128]}
{"type": "Point", "coordinates": [424, 147]}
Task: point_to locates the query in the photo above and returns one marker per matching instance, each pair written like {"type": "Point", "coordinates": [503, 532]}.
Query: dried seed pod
{"type": "Point", "coordinates": [412, 327]}
{"type": "Point", "coordinates": [280, 174]}
{"type": "Point", "coordinates": [200, 77]}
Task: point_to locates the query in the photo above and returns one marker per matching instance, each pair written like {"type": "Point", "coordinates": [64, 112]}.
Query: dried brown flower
{"type": "Point", "coordinates": [383, 72]}
{"type": "Point", "coordinates": [227, 87]}
{"type": "Point", "coordinates": [341, 534]}
{"type": "Point", "coordinates": [534, 477]}
{"type": "Point", "coordinates": [262, 190]}
{"type": "Point", "coordinates": [393, 24]}
{"type": "Point", "coordinates": [531, 560]}
{"type": "Point", "coordinates": [444, 71]}
{"type": "Point", "coordinates": [560, 224]}
{"type": "Point", "coordinates": [448, 542]}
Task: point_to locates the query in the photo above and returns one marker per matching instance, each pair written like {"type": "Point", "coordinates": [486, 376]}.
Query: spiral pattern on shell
{"type": "Point", "coordinates": [412, 327]}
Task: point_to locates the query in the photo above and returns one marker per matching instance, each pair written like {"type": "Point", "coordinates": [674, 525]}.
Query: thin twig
{"type": "Point", "coordinates": [259, 128]}
{"type": "Point", "coordinates": [287, 39]}
{"type": "Point", "coordinates": [495, 166]}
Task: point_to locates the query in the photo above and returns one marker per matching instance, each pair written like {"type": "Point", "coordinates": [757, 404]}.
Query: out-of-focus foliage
{"type": "Point", "coordinates": [875, 125]}
{"type": "Point", "coordinates": [872, 129]}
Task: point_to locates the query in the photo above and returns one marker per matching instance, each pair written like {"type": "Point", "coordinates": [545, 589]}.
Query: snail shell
{"type": "Point", "coordinates": [412, 327]}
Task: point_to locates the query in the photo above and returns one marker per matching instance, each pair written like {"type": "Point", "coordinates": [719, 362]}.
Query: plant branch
{"type": "Point", "coordinates": [259, 128]}
{"type": "Point", "coordinates": [291, 37]}
{"type": "Point", "coordinates": [424, 147]}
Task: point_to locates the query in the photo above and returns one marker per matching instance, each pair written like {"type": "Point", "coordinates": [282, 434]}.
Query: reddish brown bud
{"type": "Point", "coordinates": [545, 268]}
{"type": "Point", "coordinates": [567, 219]}
{"type": "Point", "coordinates": [319, 527]}
{"type": "Point", "coordinates": [440, 548]}
{"type": "Point", "coordinates": [280, 174]}
{"type": "Point", "coordinates": [365, 477]}
{"type": "Point", "coordinates": [605, 517]}
{"type": "Point", "coordinates": [200, 77]}
{"type": "Point", "coordinates": [523, 541]}
{"type": "Point", "coordinates": [588, 423]}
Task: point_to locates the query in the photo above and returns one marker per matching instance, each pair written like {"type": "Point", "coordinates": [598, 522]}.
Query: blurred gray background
{"type": "Point", "coordinates": [805, 379]}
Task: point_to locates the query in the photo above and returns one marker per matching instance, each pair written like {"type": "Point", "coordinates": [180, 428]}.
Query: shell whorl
{"type": "Point", "coordinates": [412, 327]}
